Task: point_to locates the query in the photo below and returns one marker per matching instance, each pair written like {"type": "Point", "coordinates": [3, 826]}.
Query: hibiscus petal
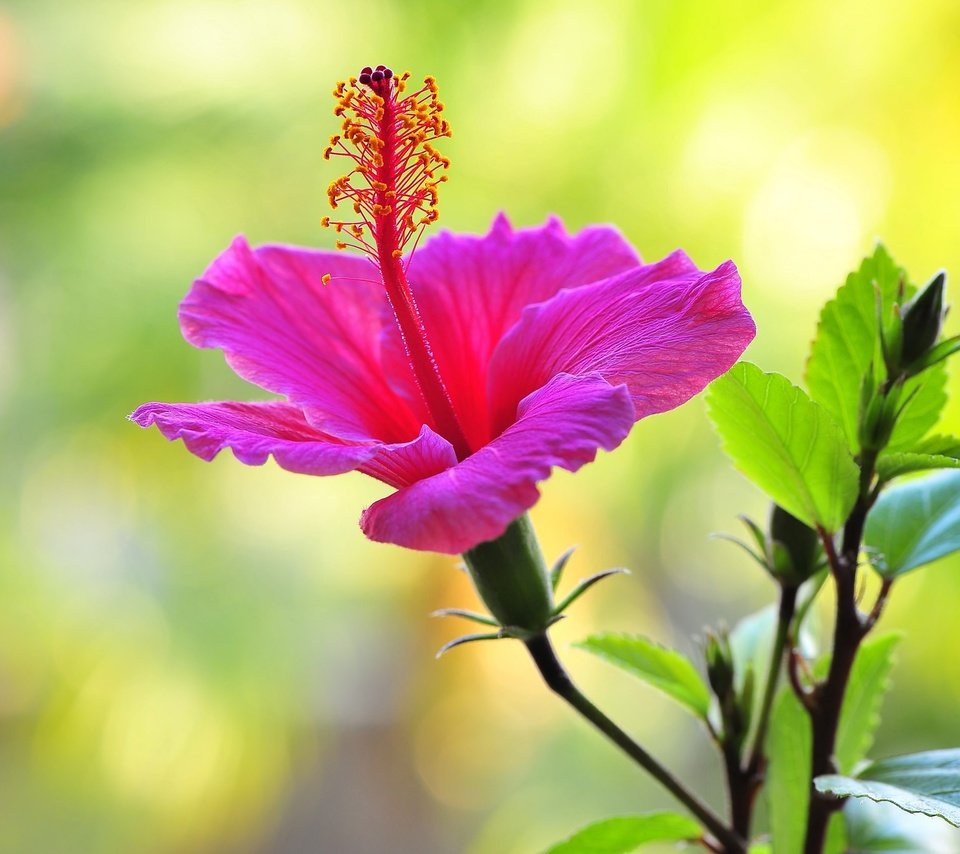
{"type": "Point", "coordinates": [407, 462]}
{"type": "Point", "coordinates": [471, 289]}
{"type": "Point", "coordinates": [254, 431]}
{"type": "Point", "coordinates": [319, 345]}
{"type": "Point", "coordinates": [562, 424]}
{"type": "Point", "coordinates": [663, 334]}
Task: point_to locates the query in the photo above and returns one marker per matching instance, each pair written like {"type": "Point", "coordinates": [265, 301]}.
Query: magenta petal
{"type": "Point", "coordinates": [562, 424]}
{"type": "Point", "coordinates": [407, 462]}
{"type": "Point", "coordinates": [472, 289]}
{"type": "Point", "coordinates": [663, 330]}
{"type": "Point", "coordinates": [254, 431]}
{"type": "Point", "coordinates": [319, 345]}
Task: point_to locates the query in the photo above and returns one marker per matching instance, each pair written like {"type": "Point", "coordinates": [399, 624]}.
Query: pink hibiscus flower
{"type": "Point", "coordinates": [468, 369]}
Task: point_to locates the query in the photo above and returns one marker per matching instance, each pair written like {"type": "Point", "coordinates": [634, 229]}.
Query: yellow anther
{"type": "Point", "coordinates": [325, 278]}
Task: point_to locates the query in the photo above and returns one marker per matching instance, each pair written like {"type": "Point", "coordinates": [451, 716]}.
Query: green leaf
{"type": "Point", "coordinates": [623, 835]}
{"type": "Point", "coordinates": [836, 841]}
{"type": "Point", "coordinates": [927, 783]}
{"type": "Point", "coordinates": [929, 395]}
{"type": "Point", "coordinates": [914, 523]}
{"type": "Point", "coordinates": [751, 642]}
{"type": "Point", "coordinates": [789, 747]}
{"type": "Point", "coordinates": [869, 681]}
{"type": "Point", "coordinates": [666, 669]}
{"type": "Point", "coordinates": [936, 452]}
{"type": "Point", "coordinates": [873, 827]}
{"type": "Point", "coordinates": [848, 343]}
{"type": "Point", "coordinates": [785, 443]}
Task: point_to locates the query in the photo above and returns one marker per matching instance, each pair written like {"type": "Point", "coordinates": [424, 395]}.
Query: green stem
{"type": "Point", "coordinates": [788, 604]}
{"type": "Point", "coordinates": [744, 778]}
{"type": "Point", "coordinates": [559, 681]}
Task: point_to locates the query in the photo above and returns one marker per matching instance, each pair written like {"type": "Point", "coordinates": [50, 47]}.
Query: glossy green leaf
{"type": "Point", "coordinates": [874, 827]}
{"type": "Point", "coordinates": [848, 343]}
{"type": "Point", "coordinates": [623, 835]}
{"type": "Point", "coordinates": [927, 395]}
{"type": "Point", "coordinates": [936, 452]}
{"type": "Point", "coordinates": [847, 340]}
{"type": "Point", "coordinates": [927, 783]}
{"type": "Point", "coordinates": [789, 745]}
{"type": "Point", "coordinates": [914, 523]}
{"type": "Point", "coordinates": [785, 443]}
{"type": "Point", "coordinates": [666, 669]}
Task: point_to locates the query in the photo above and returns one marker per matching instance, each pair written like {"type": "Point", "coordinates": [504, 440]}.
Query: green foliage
{"type": "Point", "coordinates": [836, 841]}
{"type": "Point", "coordinates": [785, 443]}
{"type": "Point", "coordinates": [914, 523]}
{"type": "Point", "coordinates": [666, 669]}
{"type": "Point", "coordinates": [795, 548]}
{"type": "Point", "coordinates": [789, 746]}
{"type": "Point", "coordinates": [927, 783]}
{"type": "Point", "coordinates": [751, 641]}
{"type": "Point", "coordinates": [927, 395]}
{"type": "Point", "coordinates": [623, 835]}
{"type": "Point", "coordinates": [875, 827]}
{"type": "Point", "coordinates": [847, 348]}
{"type": "Point", "coordinates": [847, 339]}
{"type": "Point", "coordinates": [789, 742]}
{"type": "Point", "coordinates": [934, 452]}
{"type": "Point", "coordinates": [869, 681]}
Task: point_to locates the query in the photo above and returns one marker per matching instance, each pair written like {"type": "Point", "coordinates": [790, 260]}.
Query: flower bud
{"type": "Point", "coordinates": [719, 658]}
{"type": "Point", "coordinates": [922, 320]}
{"type": "Point", "coordinates": [795, 548]}
{"type": "Point", "coordinates": [511, 578]}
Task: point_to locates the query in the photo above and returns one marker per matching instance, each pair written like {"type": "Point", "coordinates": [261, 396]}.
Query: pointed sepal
{"type": "Point", "coordinates": [559, 566]}
{"type": "Point", "coordinates": [473, 616]}
{"type": "Point", "coordinates": [584, 586]}
{"type": "Point", "coordinates": [470, 639]}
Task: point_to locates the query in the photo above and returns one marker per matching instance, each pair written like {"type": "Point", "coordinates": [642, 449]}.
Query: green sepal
{"type": "Point", "coordinates": [469, 639]}
{"type": "Point", "coordinates": [511, 578]}
{"type": "Point", "coordinates": [473, 616]}
{"type": "Point", "coordinates": [942, 351]}
{"type": "Point", "coordinates": [584, 585]}
{"type": "Point", "coordinates": [559, 565]}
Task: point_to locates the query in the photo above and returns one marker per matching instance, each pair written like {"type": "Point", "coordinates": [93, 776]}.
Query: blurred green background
{"type": "Point", "coordinates": [209, 657]}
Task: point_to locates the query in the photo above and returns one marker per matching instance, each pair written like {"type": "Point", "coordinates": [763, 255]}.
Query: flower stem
{"type": "Point", "coordinates": [788, 605]}
{"type": "Point", "coordinates": [744, 778]}
{"type": "Point", "coordinates": [559, 681]}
